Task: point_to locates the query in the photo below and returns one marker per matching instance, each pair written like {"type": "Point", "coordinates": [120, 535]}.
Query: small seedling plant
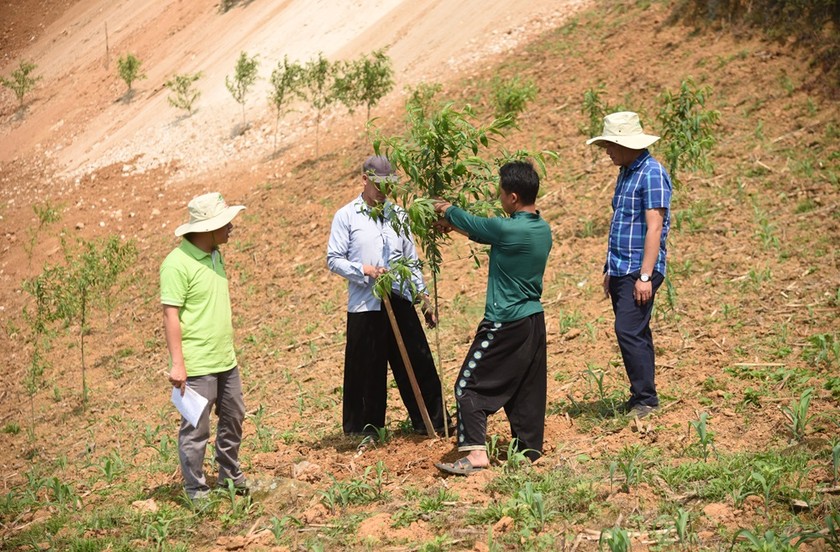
{"type": "Point", "coordinates": [615, 539]}
{"type": "Point", "coordinates": [183, 92]}
{"type": "Point", "coordinates": [797, 415]}
{"type": "Point", "coordinates": [46, 214]}
{"type": "Point", "coordinates": [21, 81]}
{"type": "Point", "coordinates": [244, 77]}
{"type": "Point", "coordinates": [706, 439]}
{"type": "Point", "coordinates": [41, 289]}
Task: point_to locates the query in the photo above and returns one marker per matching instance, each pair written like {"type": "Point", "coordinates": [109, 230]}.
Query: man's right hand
{"type": "Point", "coordinates": [441, 206]}
{"type": "Point", "coordinates": [178, 377]}
{"type": "Point", "coordinates": [607, 285]}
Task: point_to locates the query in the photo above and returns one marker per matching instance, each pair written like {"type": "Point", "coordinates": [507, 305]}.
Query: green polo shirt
{"type": "Point", "coordinates": [519, 247]}
{"type": "Point", "coordinates": [196, 282]}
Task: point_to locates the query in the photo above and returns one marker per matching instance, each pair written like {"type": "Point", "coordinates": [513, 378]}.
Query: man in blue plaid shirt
{"type": "Point", "coordinates": [635, 266]}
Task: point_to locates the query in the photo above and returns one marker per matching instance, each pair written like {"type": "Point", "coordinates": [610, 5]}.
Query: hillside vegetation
{"type": "Point", "coordinates": [744, 451]}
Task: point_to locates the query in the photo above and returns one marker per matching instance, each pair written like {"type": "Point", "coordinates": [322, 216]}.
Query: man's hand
{"type": "Point", "coordinates": [178, 377]}
{"type": "Point", "coordinates": [642, 292]}
{"type": "Point", "coordinates": [441, 206]}
{"type": "Point", "coordinates": [606, 285]}
{"type": "Point", "coordinates": [443, 226]}
{"type": "Point", "coordinates": [428, 312]}
{"type": "Point", "coordinates": [373, 271]}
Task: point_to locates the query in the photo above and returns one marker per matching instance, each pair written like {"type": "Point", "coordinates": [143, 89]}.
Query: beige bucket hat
{"type": "Point", "coordinates": [208, 212]}
{"type": "Point", "coordinates": [623, 128]}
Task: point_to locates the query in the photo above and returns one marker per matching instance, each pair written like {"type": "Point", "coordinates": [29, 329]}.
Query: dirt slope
{"type": "Point", "coordinates": [76, 118]}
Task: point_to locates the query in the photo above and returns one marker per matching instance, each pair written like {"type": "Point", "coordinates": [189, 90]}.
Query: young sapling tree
{"type": "Point", "coordinates": [286, 80]}
{"type": "Point", "coordinates": [510, 96]}
{"type": "Point", "coordinates": [687, 129]}
{"type": "Point", "coordinates": [244, 77]}
{"type": "Point", "coordinates": [445, 155]}
{"type": "Point", "coordinates": [183, 94]}
{"type": "Point", "coordinates": [130, 70]}
{"type": "Point", "coordinates": [41, 288]}
{"type": "Point", "coordinates": [88, 277]}
{"type": "Point", "coordinates": [364, 81]}
{"type": "Point", "coordinates": [21, 81]}
{"type": "Point", "coordinates": [318, 88]}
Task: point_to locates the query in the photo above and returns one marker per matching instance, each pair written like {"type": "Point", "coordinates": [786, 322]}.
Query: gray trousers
{"type": "Point", "coordinates": [224, 391]}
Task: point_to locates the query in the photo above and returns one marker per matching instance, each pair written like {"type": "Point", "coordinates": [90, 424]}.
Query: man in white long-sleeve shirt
{"type": "Point", "coordinates": [362, 246]}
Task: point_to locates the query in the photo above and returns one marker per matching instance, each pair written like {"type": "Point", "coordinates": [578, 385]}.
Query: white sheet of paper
{"type": "Point", "coordinates": [191, 405]}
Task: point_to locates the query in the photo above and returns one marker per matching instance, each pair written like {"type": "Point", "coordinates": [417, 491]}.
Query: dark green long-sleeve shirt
{"type": "Point", "coordinates": [519, 247]}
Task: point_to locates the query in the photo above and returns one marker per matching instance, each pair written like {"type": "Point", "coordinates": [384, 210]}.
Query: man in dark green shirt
{"type": "Point", "coordinates": [506, 364]}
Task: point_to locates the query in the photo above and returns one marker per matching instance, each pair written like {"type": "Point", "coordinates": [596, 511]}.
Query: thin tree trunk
{"type": "Point", "coordinates": [440, 360]}
{"type": "Point", "coordinates": [82, 335]}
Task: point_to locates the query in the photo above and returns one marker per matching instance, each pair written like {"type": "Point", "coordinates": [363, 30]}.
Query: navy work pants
{"type": "Point", "coordinates": [632, 329]}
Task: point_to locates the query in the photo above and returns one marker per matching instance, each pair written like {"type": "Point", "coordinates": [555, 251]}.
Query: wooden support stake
{"type": "Point", "coordinates": [418, 396]}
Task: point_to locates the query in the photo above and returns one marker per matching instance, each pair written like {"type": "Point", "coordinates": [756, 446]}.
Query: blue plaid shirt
{"type": "Point", "coordinates": [643, 185]}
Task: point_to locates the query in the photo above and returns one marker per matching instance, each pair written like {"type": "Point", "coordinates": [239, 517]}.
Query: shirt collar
{"type": "Point", "coordinates": [525, 214]}
{"type": "Point", "coordinates": [365, 208]}
{"type": "Point", "coordinates": [638, 162]}
{"type": "Point", "coordinates": [193, 251]}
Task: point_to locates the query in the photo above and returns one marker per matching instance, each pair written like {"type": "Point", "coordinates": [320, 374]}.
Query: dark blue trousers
{"type": "Point", "coordinates": [632, 329]}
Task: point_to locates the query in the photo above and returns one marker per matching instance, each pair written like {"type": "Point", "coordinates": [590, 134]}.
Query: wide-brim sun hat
{"type": "Point", "coordinates": [208, 212]}
{"type": "Point", "coordinates": [623, 128]}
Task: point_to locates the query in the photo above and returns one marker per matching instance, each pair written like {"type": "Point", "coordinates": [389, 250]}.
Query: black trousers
{"type": "Point", "coordinates": [632, 329]}
{"type": "Point", "coordinates": [505, 368]}
{"type": "Point", "coordinates": [371, 347]}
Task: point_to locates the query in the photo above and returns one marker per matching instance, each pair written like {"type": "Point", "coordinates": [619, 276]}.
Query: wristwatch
{"type": "Point", "coordinates": [644, 277]}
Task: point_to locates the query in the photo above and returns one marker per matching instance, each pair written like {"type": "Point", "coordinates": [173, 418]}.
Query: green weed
{"type": "Point", "coordinates": [797, 414]}
{"type": "Point", "coordinates": [705, 437]}
{"type": "Point", "coordinates": [768, 542]}
{"type": "Point", "coordinates": [615, 540]}
{"type": "Point", "coordinates": [822, 350]}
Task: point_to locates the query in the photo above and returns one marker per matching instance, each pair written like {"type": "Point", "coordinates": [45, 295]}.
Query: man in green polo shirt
{"type": "Point", "coordinates": [199, 335]}
{"type": "Point", "coordinates": [506, 364]}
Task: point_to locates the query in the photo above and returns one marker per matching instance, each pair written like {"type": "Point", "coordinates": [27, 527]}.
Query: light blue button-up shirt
{"type": "Point", "coordinates": [356, 239]}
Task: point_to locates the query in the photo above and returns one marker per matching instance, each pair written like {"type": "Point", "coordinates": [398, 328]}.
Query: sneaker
{"type": "Point", "coordinates": [640, 411]}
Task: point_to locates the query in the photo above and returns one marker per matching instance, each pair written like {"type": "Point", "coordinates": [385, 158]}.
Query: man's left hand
{"type": "Point", "coordinates": [642, 292]}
